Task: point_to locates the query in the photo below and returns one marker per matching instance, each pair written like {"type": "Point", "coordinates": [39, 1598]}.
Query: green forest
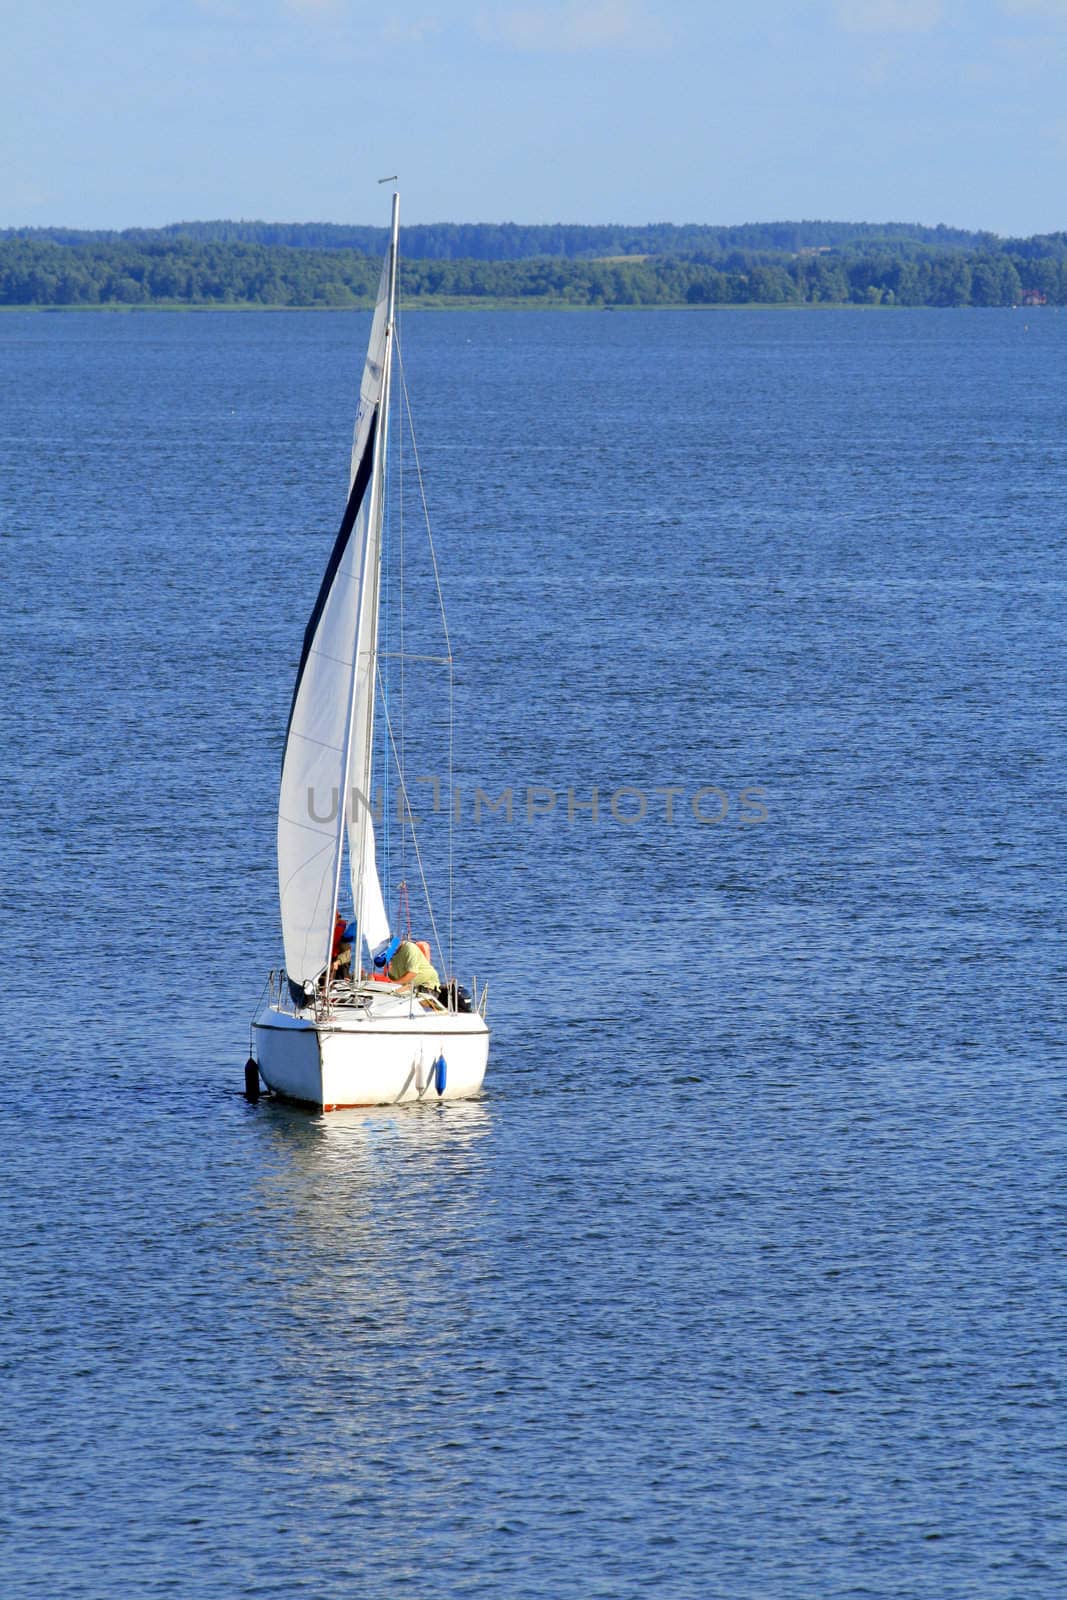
{"type": "Point", "coordinates": [324, 265]}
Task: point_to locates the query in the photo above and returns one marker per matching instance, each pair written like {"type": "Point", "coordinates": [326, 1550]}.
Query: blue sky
{"type": "Point", "coordinates": [117, 114]}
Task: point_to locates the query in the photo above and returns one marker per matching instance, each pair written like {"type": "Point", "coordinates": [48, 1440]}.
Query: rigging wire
{"type": "Point", "coordinates": [411, 822]}
{"type": "Point", "coordinates": [400, 586]}
{"type": "Point", "coordinates": [448, 657]}
{"type": "Point", "coordinates": [384, 611]}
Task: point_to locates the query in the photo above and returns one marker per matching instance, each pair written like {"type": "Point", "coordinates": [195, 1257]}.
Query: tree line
{"type": "Point", "coordinates": [154, 270]}
{"type": "Point", "coordinates": [512, 241]}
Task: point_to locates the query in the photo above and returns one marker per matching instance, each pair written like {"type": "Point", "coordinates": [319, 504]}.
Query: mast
{"type": "Point", "coordinates": [359, 754]}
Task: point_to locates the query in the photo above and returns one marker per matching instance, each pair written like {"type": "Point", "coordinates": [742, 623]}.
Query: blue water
{"type": "Point", "coordinates": [746, 1278]}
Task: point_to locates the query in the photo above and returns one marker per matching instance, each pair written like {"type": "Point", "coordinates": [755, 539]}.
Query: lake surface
{"type": "Point", "coordinates": [746, 1277]}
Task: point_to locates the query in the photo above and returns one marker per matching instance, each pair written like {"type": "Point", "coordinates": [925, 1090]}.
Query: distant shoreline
{"type": "Point", "coordinates": [281, 267]}
{"type": "Point", "coordinates": [479, 303]}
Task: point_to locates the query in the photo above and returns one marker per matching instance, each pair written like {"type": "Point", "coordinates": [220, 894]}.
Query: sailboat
{"type": "Point", "coordinates": [325, 1039]}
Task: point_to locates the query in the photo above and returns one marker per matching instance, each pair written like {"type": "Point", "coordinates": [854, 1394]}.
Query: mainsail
{"type": "Point", "coordinates": [328, 744]}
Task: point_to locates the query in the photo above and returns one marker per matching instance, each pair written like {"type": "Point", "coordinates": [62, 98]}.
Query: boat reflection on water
{"type": "Point", "coordinates": [375, 1240]}
{"type": "Point", "coordinates": [374, 1282]}
{"type": "Point", "coordinates": [443, 1127]}
{"type": "Point", "coordinates": [367, 1185]}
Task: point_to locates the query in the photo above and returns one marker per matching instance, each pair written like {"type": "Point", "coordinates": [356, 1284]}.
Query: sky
{"type": "Point", "coordinates": [119, 114]}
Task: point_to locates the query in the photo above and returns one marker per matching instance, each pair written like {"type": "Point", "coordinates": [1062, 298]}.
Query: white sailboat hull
{"type": "Point", "coordinates": [357, 1043]}
{"type": "Point", "coordinates": [357, 1058]}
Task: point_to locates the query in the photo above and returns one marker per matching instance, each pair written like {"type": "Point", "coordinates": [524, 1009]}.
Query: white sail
{"type": "Point", "coordinates": [367, 900]}
{"type": "Point", "coordinates": [374, 919]}
{"type": "Point", "coordinates": [317, 760]}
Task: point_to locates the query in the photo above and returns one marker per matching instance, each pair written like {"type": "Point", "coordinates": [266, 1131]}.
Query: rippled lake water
{"type": "Point", "coordinates": [746, 1277]}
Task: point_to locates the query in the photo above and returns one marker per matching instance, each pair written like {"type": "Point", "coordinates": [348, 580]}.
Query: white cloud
{"type": "Point", "coordinates": [576, 25]}
{"type": "Point", "coordinates": [889, 16]}
{"type": "Point", "coordinates": [1036, 8]}
{"type": "Point", "coordinates": [224, 10]}
{"type": "Point", "coordinates": [415, 31]}
{"type": "Point", "coordinates": [254, 13]}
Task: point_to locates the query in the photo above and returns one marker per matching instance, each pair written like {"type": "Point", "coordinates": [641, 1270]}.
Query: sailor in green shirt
{"type": "Point", "coordinates": [411, 966]}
